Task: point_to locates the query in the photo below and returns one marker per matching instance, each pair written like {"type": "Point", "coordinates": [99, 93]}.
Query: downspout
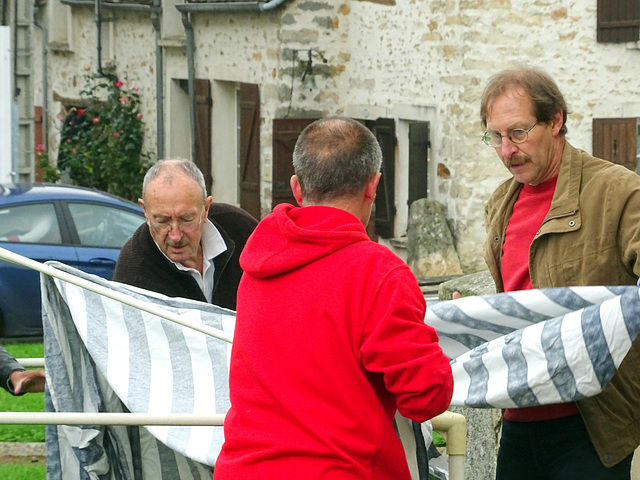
{"type": "Point", "coordinates": [185, 9]}
{"type": "Point", "coordinates": [45, 83]}
{"type": "Point", "coordinates": [155, 21]}
{"type": "Point", "coordinates": [191, 71]}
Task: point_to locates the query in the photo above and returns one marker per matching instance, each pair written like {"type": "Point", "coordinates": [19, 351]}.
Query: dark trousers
{"type": "Point", "coordinates": [553, 450]}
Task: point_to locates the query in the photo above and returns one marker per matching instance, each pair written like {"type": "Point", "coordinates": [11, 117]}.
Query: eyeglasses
{"type": "Point", "coordinates": [185, 227]}
{"type": "Point", "coordinates": [517, 135]}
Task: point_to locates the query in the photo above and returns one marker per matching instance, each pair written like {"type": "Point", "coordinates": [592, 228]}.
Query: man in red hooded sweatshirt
{"type": "Point", "coordinates": [330, 338]}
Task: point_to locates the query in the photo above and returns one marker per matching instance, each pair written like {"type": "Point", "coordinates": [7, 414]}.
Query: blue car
{"type": "Point", "coordinates": [77, 226]}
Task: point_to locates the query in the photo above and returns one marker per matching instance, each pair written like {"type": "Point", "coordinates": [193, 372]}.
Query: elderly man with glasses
{"type": "Point", "coordinates": [189, 246]}
{"type": "Point", "coordinates": [565, 218]}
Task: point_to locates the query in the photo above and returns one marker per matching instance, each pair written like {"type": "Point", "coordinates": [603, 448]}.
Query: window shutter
{"type": "Point", "coordinates": [615, 139]}
{"type": "Point", "coordinates": [385, 207]}
{"type": "Point", "coordinates": [618, 21]}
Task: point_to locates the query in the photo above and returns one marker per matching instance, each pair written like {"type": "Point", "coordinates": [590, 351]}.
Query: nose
{"type": "Point", "coordinates": [508, 148]}
{"type": "Point", "coordinates": [175, 233]}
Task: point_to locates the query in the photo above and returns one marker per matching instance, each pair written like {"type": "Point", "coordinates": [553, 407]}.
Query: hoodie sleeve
{"type": "Point", "coordinates": [400, 346]}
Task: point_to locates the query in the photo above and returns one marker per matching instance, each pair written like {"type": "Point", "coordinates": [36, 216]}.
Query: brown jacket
{"type": "Point", "coordinates": [591, 236]}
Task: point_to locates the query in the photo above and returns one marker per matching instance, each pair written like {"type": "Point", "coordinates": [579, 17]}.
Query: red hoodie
{"type": "Point", "coordinates": [329, 341]}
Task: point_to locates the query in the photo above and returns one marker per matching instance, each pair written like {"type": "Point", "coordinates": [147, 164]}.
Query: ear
{"type": "Point", "coordinates": [141, 203]}
{"type": "Point", "coordinates": [370, 189]}
{"type": "Point", "coordinates": [296, 189]}
{"type": "Point", "coordinates": [207, 203]}
{"type": "Point", "coordinates": [556, 123]}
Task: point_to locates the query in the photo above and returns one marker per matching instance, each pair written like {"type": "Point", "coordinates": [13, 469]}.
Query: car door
{"type": "Point", "coordinates": [102, 230]}
{"type": "Point", "coordinates": [34, 231]}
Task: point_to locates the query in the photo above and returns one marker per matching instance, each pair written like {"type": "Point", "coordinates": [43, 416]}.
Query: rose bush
{"type": "Point", "coordinates": [101, 140]}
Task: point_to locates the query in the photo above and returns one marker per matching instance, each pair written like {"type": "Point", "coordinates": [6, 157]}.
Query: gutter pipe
{"type": "Point", "coordinates": [185, 10]}
{"type": "Point", "coordinates": [45, 82]}
{"type": "Point", "coordinates": [156, 10]}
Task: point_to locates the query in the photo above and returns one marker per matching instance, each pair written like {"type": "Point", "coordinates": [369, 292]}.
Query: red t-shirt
{"type": "Point", "coordinates": [528, 214]}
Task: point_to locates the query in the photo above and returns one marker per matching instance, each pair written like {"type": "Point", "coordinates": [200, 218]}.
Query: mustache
{"type": "Point", "coordinates": [515, 160]}
{"type": "Point", "coordinates": [180, 243]}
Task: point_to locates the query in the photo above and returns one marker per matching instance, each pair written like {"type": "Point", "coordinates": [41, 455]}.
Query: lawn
{"type": "Point", "coordinates": [31, 402]}
{"type": "Point", "coordinates": [23, 471]}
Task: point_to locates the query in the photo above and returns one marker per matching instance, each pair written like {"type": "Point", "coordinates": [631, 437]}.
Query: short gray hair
{"type": "Point", "coordinates": [168, 166]}
{"type": "Point", "coordinates": [335, 157]}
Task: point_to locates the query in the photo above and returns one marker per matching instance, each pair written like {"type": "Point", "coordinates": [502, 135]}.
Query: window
{"type": "Point", "coordinates": [35, 223]}
{"type": "Point", "coordinates": [618, 21]}
{"type": "Point", "coordinates": [102, 226]}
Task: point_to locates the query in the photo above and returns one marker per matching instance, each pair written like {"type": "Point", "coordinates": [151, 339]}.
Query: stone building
{"type": "Point", "coordinates": [230, 84]}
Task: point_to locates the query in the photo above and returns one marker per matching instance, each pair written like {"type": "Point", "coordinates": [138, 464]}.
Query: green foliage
{"type": "Point", "coordinates": [438, 439]}
{"type": "Point", "coordinates": [31, 402]}
{"type": "Point", "coordinates": [101, 142]}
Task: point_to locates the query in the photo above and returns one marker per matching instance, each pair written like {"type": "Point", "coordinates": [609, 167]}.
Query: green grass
{"type": "Point", "coordinates": [31, 402]}
{"type": "Point", "coordinates": [23, 471]}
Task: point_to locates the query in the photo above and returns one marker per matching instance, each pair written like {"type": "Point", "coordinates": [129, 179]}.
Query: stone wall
{"type": "Point", "coordinates": [383, 57]}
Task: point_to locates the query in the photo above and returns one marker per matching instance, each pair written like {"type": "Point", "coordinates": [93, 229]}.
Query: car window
{"type": "Point", "coordinates": [102, 225]}
{"type": "Point", "coordinates": [34, 223]}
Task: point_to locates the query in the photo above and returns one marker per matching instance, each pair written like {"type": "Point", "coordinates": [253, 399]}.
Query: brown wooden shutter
{"type": "Point", "coordinates": [250, 149]}
{"type": "Point", "coordinates": [285, 134]}
{"type": "Point", "coordinates": [202, 155]}
{"type": "Point", "coordinates": [385, 208]}
{"type": "Point", "coordinates": [615, 139]}
{"type": "Point", "coordinates": [618, 21]}
{"type": "Point", "coordinates": [418, 161]}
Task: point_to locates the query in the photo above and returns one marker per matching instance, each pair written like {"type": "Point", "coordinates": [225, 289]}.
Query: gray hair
{"type": "Point", "coordinates": [168, 167]}
{"type": "Point", "coordinates": [335, 157]}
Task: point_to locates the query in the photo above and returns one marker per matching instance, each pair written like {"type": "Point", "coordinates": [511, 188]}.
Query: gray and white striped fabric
{"type": "Point", "coordinates": [103, 356]}
{"type": "Point", "coordinates": [518, 349]}
{"type": "Point", "coordinates": [536, 347]}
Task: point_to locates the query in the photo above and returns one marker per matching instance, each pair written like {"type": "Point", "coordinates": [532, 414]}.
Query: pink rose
{"type": "Point", "coordinates": [116, 134]}
{"type": "Point", "coordinates": [119, 84]}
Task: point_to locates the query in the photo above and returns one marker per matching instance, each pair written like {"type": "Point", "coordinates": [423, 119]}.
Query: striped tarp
{"type": "Point", "coordinates": [518, 349]}
{"type": "Point", "coordinates": [536, 347]}
{"type": "Point", "coordinates": [103, 356]}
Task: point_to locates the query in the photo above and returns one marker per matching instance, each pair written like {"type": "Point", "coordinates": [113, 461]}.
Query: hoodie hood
{"type": "Point", "coordinates": [291, 237]}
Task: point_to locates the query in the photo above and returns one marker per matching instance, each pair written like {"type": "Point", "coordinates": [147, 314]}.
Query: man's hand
{"type": "Point", "coordinates": [27, 381]}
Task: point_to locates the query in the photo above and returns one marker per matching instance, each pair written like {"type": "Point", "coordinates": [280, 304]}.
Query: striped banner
{"type": "Point", "coordinates": [518, 349]}
{"type": "Point", "coordinates": [536, 347]}
{"type": "Point", "coordinates": [104, 356]}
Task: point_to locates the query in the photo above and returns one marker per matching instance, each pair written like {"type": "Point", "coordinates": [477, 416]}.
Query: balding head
{"type": "Point", "coordinates": [335, 157]}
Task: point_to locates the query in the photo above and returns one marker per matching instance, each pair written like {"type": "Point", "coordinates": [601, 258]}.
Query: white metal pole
{"type": "Point", "coordinates": [8, 256]}
{"type": "Point", "coordinates": [87, 418]}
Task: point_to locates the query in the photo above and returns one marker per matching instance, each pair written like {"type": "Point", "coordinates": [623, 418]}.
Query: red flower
{"type": "Point", "coordinates": [116, 134]}
{"type": "Point", "coordinates": [95, 120]}
{"type": "Point", "coordinates": [80, 111]}
{"type": "Point", "coordinates": [39, 148]}
{"type": "Point", "coordinates": [119, 84]}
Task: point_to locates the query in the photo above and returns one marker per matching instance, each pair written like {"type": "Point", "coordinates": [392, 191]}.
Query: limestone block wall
{"type": "Point", "coordinates": [387, 56]}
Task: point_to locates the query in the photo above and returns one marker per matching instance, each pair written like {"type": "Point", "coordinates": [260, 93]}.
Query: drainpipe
{"type": "Point", "coordinates": [45, 84]}
{"type": "Point", "coordinates": [191, 72]}
{"type": "Point", "coordinates": [134, 7]}
{"type": "Point", "coordinates": [185, 10]}
{"type": "Point", "coordinates": [156, 9]}
{"type": "Point", "coordinates": [230, 6]}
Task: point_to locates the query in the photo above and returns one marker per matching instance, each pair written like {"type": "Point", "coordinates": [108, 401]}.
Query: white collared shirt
{"type": "Point", "coordinates": [212, 246]}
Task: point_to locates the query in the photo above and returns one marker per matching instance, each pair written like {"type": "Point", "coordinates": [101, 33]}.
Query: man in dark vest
{"type": "Point", "coordinates": [189, 246]}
